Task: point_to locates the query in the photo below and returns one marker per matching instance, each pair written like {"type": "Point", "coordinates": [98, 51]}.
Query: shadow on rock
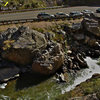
{"type": "Point", "coordinates": [8, 71]}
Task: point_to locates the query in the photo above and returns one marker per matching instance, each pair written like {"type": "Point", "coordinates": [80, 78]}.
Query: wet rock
{"type": "Point", "coordinates": [62, 77]}
{"type": "Point", "coordinates": [19, 45]}
{"type": "Point", "coordinates": [76, 61]}
{"type": "Point", "coordinates": [81, 61]}
{"type": "Point", "coordinates": [96, 76]}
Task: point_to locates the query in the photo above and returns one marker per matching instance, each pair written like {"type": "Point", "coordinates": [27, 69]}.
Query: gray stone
{"type": "Point", "coordinates": [20, 44]}
{"type": "Point", "coordinates": [92, 26]}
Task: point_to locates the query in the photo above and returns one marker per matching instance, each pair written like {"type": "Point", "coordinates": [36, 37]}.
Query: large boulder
{"type": "Point", "coordinates": [91, 25]}
{"type": "Point", "coordinates": [24, 46]}
{"type": "Point", "coordinates": [19, 45]}
{"type": "Point", "coordinates": [50, 61]}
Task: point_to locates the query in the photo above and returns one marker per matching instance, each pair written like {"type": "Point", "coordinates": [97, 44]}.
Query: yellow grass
{"type": "Point", "coordinates": [43, 24]}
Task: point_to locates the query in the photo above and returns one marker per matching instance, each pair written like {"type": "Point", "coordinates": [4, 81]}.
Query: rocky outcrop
{"type": "Point", "coordinates": [50, 60]}
{"type": "Point", "coordinates": [24, 46]}
{"type": "Point", "coordinates": [92, 26]}
{"type": "Point", "coordinates": [85, 36]}
{"type": "Point", "coordinates": [19, 45]}
{"type": "Point", "coordinates": [75, 61]}
{"type": "Point", "coordinates": [76, 31]}
{"type": "Point", "coordinates": [73, 27]}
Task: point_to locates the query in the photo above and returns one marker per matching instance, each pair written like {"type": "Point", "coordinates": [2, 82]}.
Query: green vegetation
{"type": "Point", "coordinates": [30, 86]}
{"type": "Point", "coordinates": [26, 87]}
{"type": "Point", "coordinates": [89, 87]}
{"type": "Point", "coordinates": [24, 4]}
{"type": "Point", "coordinates": [29, 4]}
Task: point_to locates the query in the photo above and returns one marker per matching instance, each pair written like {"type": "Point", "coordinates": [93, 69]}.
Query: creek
{"type": "Point", "coordinates": [33, 87]}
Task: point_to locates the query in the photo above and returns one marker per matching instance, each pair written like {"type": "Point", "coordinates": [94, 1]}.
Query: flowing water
{"type": "Point", "coordinates": [2, 86]}
{"type": "Point", "coordinates": [85, 74]}
{"type": "Point", "coordinates": [33, 87]}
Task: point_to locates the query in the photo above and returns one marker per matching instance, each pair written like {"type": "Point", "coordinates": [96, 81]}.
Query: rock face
{"type": "Point", "coordinates": [20, 44]}
{"type": "Point", "coordinates": [76, 31]}
{"type": "Point", "coordinates": [24, 46]}
{"type": "Point", "coordinates": [92, 26]}
{"type": "Point", "coordinates": [50, 60]}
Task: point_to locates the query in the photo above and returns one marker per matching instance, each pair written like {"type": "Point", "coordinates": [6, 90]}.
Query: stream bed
{"type": "Point", "coordinates": [84, 74]}
{"type": "Point", "coordinates": [29, 86]}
